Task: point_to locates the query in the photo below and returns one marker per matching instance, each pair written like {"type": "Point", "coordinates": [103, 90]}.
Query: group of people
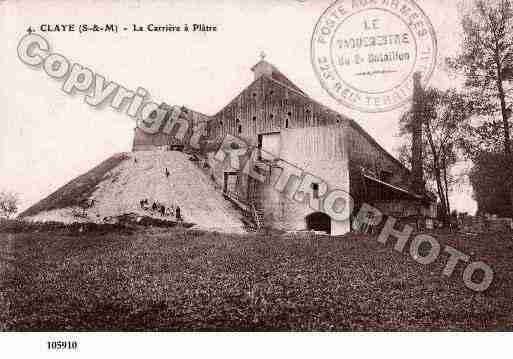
{"type": "Point", "coordinates": [164, 211]}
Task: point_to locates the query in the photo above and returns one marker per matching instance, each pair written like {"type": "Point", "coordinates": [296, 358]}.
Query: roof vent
{"type": "Point", "coordinates": [262, 67]}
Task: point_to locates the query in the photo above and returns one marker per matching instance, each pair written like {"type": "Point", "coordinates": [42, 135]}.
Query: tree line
{"type": "Point", "coordinates": [472, 123]}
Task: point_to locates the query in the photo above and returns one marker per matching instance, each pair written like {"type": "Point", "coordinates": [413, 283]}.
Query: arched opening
{"type": "Point", "coordinates": [318, 221]}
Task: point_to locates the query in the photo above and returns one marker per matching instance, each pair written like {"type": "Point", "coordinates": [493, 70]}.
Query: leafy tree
{"type": "Point", "coordinates": [486, 61]}
{"type": "Point", "coordinates": [491, 180]}
{"type": "Point", "coordinates": [9, 203]}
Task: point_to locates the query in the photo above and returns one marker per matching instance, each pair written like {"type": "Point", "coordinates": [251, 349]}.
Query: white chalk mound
{"type": "Point", "coordinates": [142, 175]}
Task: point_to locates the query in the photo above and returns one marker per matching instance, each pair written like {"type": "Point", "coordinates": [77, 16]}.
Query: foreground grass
{"type": "Point", "coordinates": [208, 281]}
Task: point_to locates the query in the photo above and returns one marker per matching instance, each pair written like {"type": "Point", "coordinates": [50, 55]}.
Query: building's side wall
{"type": "Point", "coordinates": [319, 151]}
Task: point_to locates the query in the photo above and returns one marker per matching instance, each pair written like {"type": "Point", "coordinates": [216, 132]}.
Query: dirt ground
{"type": "Point", "coordinates": [193, 280]}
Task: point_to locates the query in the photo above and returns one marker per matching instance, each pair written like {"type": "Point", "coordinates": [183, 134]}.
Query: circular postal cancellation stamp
{"type": "Point", "coordinates": [366, 52]}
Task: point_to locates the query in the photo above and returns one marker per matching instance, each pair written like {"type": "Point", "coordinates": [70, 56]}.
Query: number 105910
{"type": "Point", "coordinates": [62, 345]}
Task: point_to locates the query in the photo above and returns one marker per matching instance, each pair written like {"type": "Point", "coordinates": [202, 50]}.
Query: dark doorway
{"type": "Point", "coordinates": [260, 147]}
{"type": "Point", "coordinates": [230, 182]}
{"type": "Point", "coordinates": [318, 222]}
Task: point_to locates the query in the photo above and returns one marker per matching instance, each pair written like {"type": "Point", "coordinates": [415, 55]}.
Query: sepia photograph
{"type": "Point", "coordinates": [315, 167]}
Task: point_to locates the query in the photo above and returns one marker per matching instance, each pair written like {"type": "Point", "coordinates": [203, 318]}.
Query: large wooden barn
{"type": "Point", "coordinates": [275, 115]}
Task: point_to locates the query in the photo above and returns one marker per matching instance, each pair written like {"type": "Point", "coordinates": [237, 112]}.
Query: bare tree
{"type": "Point", "coordinates": [9, 203]}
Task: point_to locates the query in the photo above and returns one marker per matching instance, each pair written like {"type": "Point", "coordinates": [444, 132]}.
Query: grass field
{"type": "Point", "coordinates": [178, 280]}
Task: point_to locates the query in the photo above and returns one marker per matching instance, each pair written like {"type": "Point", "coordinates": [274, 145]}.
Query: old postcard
{"type": "Point", "coordinates": [255, 165]}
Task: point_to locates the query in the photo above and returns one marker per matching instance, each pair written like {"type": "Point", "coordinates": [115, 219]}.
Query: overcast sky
{"type": "Point", "coordinates": [47, 137]}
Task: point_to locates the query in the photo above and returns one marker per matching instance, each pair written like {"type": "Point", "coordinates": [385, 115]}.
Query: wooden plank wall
{"type": "Point", "coordinates": [267, 106]}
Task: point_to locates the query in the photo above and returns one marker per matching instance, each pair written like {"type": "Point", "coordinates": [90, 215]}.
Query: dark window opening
{"type": "Point", "coordinates": [230, 182]}
{"type": "Point", "coordinates": [260, 139]}
{"type": "Point", "coordinates": [175, 148]}
{"type": "Point", "coordinates": [286, 123]}
{"type": "Point", "coordinates": [221, 123]}
{"type": "Point", "coordinates": [315, 189]}
{"type": "Point", "coordinates": [254, 94]}
{"type": "Point", "coordinates": [240, 128]}
{"type": "Point", "coordinates": [254, 118]}
{"type": "Point", "coordinates": [290, 113]}
{"type": "Point", "coordinates": [272, 116]}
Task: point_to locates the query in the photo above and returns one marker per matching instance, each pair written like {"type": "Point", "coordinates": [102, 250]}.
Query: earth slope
{"type": "Point", "coordinates": [117, 186]}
